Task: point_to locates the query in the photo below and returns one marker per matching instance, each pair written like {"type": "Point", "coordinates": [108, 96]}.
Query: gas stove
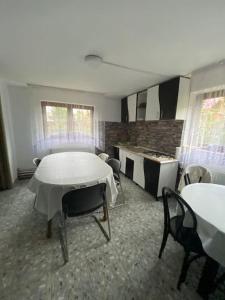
{"type": "Point", "coordinates": [158, 156]}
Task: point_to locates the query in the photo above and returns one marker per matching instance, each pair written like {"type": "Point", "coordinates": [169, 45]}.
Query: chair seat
{"type": "Point", "coordinates": [188, 238]}
{"type": "Point", "coordinates": [74, 213]}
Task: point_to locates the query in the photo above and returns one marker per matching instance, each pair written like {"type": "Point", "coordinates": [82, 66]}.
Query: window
{"type": "Point", "coordinates": [212, 123]}
{"type": "Point", "coordinates": [204, 137]}
{"type": "Point", "coordinates": [67, 123]}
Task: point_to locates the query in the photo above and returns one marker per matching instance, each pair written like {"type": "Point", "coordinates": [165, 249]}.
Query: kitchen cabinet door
{"type": "Point", "coordinates": [183, 98]}
{"type": "Point", "coordinates": [152, 107]}
{"type": "Point", "coordinates": [124, 110]}
{"type": "Point", "coordinates": [167, 176]}
{"type": "Point", "coordinates": [138, 175]}
{"type": "Point", "coordinates": [141, 105]}
{"type": "Point", "coordinates": [152, 170]}
{"type": "Point", "coordinates": [129, 168]}
{"type": "Point", "coordinates": [168, 96]}
{"type": "Point", "coordinates": [122, 157]}
{"type": "Point", "coordinates": [132, 107]}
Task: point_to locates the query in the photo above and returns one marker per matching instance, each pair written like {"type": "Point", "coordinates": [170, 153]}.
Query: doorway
{"type": "Point", "coordinates": [5, 178]}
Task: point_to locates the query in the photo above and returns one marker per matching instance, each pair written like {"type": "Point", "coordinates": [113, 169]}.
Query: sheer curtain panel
{"type": "Point", "coordinates": [204, 136]}
{"type": "Point", "coordinates": [63, 125]}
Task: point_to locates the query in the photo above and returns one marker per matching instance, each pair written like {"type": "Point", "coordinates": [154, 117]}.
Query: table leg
{"type": "Point", "coordinates": [206, 283]}
{"type": "Point", "coordinates": [49, 229]}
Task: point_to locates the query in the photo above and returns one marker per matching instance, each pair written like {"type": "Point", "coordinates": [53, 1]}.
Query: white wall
{"type": "Point", "coordinates": [204, 80]}
{"type": "Point", "coordinates": [8, 128]}
{"type": "Point", "coordinates": [25, 103]}
{"type": "Point", "coordinates": [208, 78]}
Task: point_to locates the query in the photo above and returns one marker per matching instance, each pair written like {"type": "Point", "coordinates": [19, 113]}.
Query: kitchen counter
{"type": "Point", "coordinates": [161, 158]}
{"type": "Point", "coordinates": [150, 169]}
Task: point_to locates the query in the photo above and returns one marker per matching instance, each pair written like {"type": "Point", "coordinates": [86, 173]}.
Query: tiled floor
{"type": "Point", "coordinates": [31, 266]}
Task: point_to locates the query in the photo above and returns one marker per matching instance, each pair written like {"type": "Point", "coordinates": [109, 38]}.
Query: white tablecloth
{"type": "Point", "coordinates": [208, 202]}
{"type": "Point", "coordinates": [59, 173]}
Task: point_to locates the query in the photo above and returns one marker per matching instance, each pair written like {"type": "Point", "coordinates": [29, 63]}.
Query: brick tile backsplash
{"type": "Point", "coordinates": [163, 135]}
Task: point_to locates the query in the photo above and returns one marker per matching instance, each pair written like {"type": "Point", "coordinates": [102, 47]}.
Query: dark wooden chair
{"type": "Point", "coordinates": [82, 202]}
{"type": "Point", "coordinates": [185, 236]}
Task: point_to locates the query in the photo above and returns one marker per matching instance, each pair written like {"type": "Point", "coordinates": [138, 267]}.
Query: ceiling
{"type": "Point", "coordinates": [44, 42]}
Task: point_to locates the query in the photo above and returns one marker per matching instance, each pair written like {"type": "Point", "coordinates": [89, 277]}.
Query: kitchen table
{"type": "Point", "coordinates": [59, 173]}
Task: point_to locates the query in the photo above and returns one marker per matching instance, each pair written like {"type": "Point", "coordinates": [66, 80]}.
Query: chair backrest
{"type": "Point", "coordinates": [182, 206]}
{"type": "Point", "coordinates": [36, 161]}
{"type": "Point", "coordinates": [83, 201]}
{"type": "Point", "coordinates": [103, 156]}
{"type": "Point", "coordinates": [115, 164]}
{"type": "Point", "coordinates": [194, 174]}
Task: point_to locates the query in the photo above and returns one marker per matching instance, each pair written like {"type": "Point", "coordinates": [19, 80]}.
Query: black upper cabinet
{"type": "Point", "coordinates": [141, 105]}
{"type": "Point", "coordinates": [168, 96]}
{"type": "Point", "coordinates": [167, 101]}
{"type": "Point", "coordinates": [124, 110]}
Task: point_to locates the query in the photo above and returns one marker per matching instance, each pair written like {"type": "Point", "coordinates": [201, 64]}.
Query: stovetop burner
{"type": "Point", "coordinates": [157, 153]}
{"type": "Point", "coordinates": [159, 156]}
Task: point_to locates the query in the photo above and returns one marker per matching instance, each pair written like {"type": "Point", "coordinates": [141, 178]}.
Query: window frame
{"type": "Point", "coordinates": [70, 107]}
{"type": "Point", "coordinates": [197, 127]}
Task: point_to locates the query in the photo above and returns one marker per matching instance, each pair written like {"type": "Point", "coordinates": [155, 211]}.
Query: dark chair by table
{"type": "Point", "coordinates": [82, 202]}
{"type": "Point", "coordinates": [115, 164]}
{"type": "Point", "coordinates": [36, 161]}
{"type": "Point", "coordinates": [185, 236]}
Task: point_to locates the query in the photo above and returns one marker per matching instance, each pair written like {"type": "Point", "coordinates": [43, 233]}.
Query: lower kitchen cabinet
{"type": "Point", "coordinates": [122, 158]}
{"type": "Point", "coordinates": [151, 175]}
{"type": "Point", "coordinates": [151, 171]}
{"type": "Point", "coordinates": [129, 168]}
{"type": "Point", "coordinates": [138, 175]}
{"type": "Point", "coordinates": [158, 175]}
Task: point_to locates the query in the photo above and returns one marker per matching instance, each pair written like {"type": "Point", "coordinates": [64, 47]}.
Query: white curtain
{"type": "Point", "coordinates": [204, 135]}
{"type": "Point", "coordinates": [63, 126]}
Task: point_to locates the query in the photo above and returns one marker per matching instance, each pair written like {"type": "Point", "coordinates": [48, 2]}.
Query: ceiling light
{"type": "Point", "coordinates": [93, 60]}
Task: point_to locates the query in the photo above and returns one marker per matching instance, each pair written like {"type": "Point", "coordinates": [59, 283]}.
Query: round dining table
{"type": "Point", "coordinates": [59, 173]}
{"type": "Point", "coordinates": [208, 203]}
